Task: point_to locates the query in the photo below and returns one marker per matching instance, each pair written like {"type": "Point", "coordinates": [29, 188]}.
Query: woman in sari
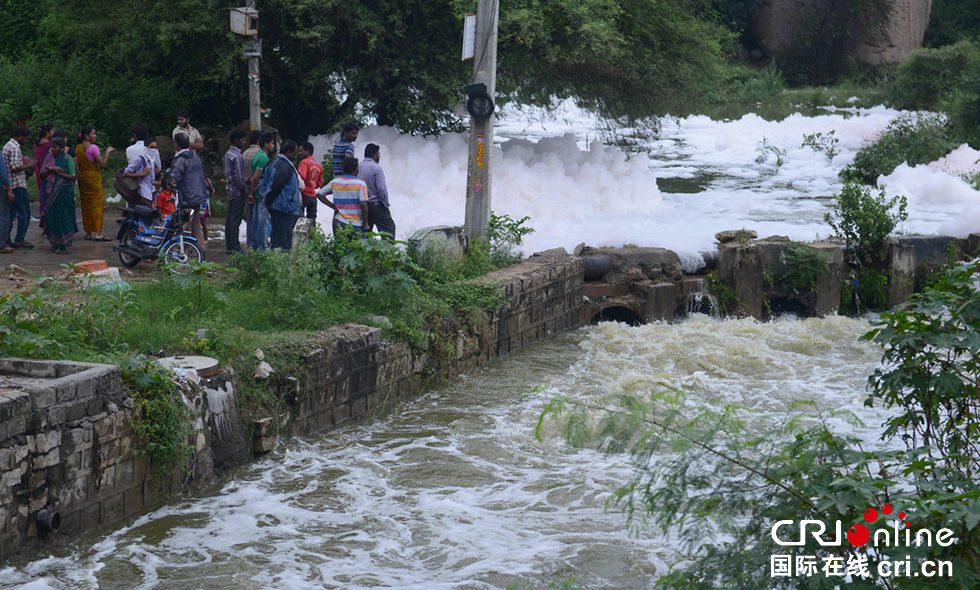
{"type": "Point", "coordinates": [58, 172]}
{"type": "Point", "coordinates": [90, 165]}
{"type": "Point", "coordinates": [41, 147]}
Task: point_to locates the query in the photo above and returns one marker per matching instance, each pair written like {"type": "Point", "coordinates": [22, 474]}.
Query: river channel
{"type": "Point", "coordinates": [451, 489]}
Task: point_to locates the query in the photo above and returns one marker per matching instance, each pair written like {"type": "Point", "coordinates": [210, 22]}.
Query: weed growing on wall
{"type": "Point", "coordinates": [804, 266]}
{"type": "Point", "coordinates": [161, 420]}
{"type": "Point", "coordinates": [728, 302]}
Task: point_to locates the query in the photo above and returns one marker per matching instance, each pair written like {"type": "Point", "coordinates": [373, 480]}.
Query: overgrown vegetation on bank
{"type": "Point", "coordinates": [273, 300]}
{"type": "Point", "coordinates": [721, 478]}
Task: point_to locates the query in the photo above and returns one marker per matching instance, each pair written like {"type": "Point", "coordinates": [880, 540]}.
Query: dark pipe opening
{"type": "Point", "coordinates": [618, 314]}
{"type": "Point", "coordinates": [48, 521]}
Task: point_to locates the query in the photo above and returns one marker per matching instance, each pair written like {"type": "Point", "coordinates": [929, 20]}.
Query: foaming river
{"type": "Point", "coordinates": [451, 489]}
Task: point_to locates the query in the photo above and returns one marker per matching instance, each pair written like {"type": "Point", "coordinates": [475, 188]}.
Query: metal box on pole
{"type": "Point", "coordinates": [244, 21]}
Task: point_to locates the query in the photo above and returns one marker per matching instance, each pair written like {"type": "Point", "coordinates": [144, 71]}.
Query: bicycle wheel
{"type": "Point", "coordinates": [177, 258]}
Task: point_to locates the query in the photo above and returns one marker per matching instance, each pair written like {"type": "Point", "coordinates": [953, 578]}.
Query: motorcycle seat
{"type": "Point", "coordinates": [145, 212]}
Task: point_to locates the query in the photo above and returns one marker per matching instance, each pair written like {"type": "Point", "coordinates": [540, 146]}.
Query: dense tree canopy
{"type": "Point", "coordinates": [111, 63]}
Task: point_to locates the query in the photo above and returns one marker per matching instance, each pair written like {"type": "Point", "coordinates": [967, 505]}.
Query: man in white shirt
{"type": "Point", "coordinates": [133, 152]}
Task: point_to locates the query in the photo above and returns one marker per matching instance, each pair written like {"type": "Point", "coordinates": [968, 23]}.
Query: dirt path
{"type": "Point", "coordinates": [42, 261]}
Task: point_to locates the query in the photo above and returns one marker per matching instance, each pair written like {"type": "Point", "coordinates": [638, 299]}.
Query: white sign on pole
{"type": "Point", "coordinates": [469, 37]}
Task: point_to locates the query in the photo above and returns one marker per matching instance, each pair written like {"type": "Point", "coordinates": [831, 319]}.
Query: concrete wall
{"type": "Point", "coordinates": [66, 438]}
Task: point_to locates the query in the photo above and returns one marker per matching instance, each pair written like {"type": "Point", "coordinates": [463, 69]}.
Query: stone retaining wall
{"type": "Point", "coordinates": [67, 444]}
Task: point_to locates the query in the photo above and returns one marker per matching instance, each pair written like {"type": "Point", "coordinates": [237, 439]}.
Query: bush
{"type": "Point", "coordinates": [916, 139]}
{"type": "Point", "coordinates": [929, 74]}
{"type": "Point", "coordinates": [763, 86]}
{"type": "Point", "coordinates": [962, 105]}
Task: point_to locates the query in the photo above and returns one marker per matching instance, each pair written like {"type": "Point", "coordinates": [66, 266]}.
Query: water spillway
{"type": "Point", "coordinates": [451, 489]}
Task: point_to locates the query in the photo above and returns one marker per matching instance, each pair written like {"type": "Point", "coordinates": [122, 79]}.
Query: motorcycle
{"type": "Point", "coordinates": [142, 236]}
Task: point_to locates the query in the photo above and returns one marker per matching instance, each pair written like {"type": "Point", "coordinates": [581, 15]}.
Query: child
{"type": "Point", "coordinates": [164, 202]}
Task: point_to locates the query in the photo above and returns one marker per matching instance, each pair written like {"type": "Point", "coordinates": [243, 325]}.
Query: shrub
{"type": "Point", "coordinates": [928, 74]}
{"type": "Point", "coordinates": [763, 86]}
{"type": "Point", "coordinates": [915, 139]}
{"type": "Point", "coordinates": [864, 221]}
{"type": "Point", "coordinates": [962, 105]}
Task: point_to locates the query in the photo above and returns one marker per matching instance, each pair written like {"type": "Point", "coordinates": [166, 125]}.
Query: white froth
{"type": "Point", "coordinates": [553, 168]}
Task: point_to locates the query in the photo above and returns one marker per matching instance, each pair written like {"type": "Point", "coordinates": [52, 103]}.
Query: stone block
{"type": "Point", "coordinates": [94, 405]}
{"type": "Point", "coordinates": [933, 251]}
{"type": "Point", "coordinates": [740, 268]}
{"type": "Point", "coordinates": [341, 413]}
{"type": "Point", "coordinates": [65, 390]}
{"type": "Point", "coordinates": [76, 410]}
{"type": "Point", "coordinates": [113, 508]}
{"type": "Point", "coordinates": [57, 415]}
{"type": "Point", "coordinates": [91, 516]}
{"type": "Point", "coordinates": [901, 272]}
{"type": "Point", "coordinates": [659, 302]}
{"type": "Point", "coordinates": [124, 473]}
{"type": "Point", "coordinates": [44, 397]}
{"type": "Point", "coordinates": [358, 406]}
{"type": "Point", "coordinates": [827, 300]}
{"type": "Point", "coordinates": [47, 460]}
{"type": "Point", "coordinates": [134, 500]}
{"type": "Point", "coordinates": [16, 426]}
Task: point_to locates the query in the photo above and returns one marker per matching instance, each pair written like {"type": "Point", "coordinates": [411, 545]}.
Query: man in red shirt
{"type": "Point", "coordinates": [312, 174]}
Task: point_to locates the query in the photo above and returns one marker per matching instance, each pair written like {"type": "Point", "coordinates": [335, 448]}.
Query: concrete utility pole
{"type": "Point", "coordinates": [245, 22]}
{"type": "Point", "coordinates": [481, 128]}
{"type": "Point", "coordinates": [254, 98]}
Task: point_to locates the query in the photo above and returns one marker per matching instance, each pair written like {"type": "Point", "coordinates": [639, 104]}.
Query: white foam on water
{"type": "Point", "coordinates": [453, 490]}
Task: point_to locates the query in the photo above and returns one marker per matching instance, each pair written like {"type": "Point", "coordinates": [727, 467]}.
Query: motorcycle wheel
{"type": "Point", "coordinates": [128, 240]}
{"type": "Point", "coordinates": [177, 260]}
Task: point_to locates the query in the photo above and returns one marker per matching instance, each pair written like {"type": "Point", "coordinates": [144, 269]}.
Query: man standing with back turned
{"type": "Point", "coordinates": [344, 148]}
{"type": "Point", "coordinates": [379, 212]}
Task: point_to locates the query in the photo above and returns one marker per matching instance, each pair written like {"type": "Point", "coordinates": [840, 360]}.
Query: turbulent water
{"type": "Point", "coordinates": [451, 489]}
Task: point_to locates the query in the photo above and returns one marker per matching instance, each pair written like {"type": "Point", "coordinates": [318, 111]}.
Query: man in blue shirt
{"type": "Point", "coordinates": [378, 206]}
{"type": "Point", "coordinates": [5, 206]}
{"type": "Point", "coordinates": [344, 147]}
{"type": "Point", "coordinates": [280, 189]}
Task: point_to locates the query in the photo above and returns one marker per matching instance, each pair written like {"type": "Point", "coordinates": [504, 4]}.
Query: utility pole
{"type": "Point", "coordinates": [245, 22]}
{"type": "Point", "coordinates": [480, 106]}
{"type": "Point", "coordinates": [254, 98]}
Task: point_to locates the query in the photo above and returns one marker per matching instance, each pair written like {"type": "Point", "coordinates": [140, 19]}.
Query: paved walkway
{"type": "Point", "coordinates": [41, 260]}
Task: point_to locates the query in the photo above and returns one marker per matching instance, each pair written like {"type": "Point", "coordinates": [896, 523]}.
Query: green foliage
{"type": "Point", "coordinates": [630, 59]}
{"type": "Point", "coordinates": [951, 21]}
{"type": "Point", "coordinates": [962, 105]}
{"type": "Point", "coordinates": [803, 266]}
{"type": "Point", "coordinates": [825, 36]}
{"type": "Point", "coordinates": [931, 370]}
{"type": "Point", "coordinates": [326, 62]}
{"type": "Point", "coordinates": [864, 221]}
{"type": "Point", "coordinates": [727, 298]}
{"type": "Point", "coordinates": [506, 234]}
{"type": "Point", "coordinates": [766, 150]}
{"type": "Point", "coordinates": [913, 138]}
{"type": "Point", "coordinates": [161, 421]}
{"type": "Point", "coordinates": [929, 74]}
{"type": "Point", "coordinates": [825, 144]}
{"type": "Point", "coordinates": [762, 87]}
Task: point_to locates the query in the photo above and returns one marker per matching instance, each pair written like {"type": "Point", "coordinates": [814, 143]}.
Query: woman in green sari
{"type": "Point", "coordinates": [58, 172]}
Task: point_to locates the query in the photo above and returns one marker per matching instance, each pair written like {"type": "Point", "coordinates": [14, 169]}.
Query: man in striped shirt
{"type": "Point", "coordinates": [350, 200]}
{"type": "Point", "coordinates": [344, 147]}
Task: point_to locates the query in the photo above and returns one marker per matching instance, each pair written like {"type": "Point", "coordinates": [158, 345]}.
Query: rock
{"type": "Point", "coordinates": [263, 371]}
{"type": "Point", "coordinates": [259, 354]}
{"type": "Point", "coordinates": [635, 274]}
{"type": "Point", "coordinates": [381, 320]}
{"type": "Point", "coordinates": [736, 235]}
{"type": "Point", "coordinates": [111, 408]}
{"type": "Point", "coordinates": [16, 271]}
{"type": "Point", "coordinates": [777, 239]}
{"type": "Point", "coordinates": [578, 249]}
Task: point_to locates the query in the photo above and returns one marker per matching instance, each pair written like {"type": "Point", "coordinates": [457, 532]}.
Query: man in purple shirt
{"type": "Point", "coordinates": [237, 187]}
{"type": "Point", "coordinates": [379, 212]}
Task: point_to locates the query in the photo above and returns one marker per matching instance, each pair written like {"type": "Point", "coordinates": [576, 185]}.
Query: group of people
{"type": "Point", "coordinates": [270, 192]}
{"type": "Point", "coordinates": [266, 189]}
